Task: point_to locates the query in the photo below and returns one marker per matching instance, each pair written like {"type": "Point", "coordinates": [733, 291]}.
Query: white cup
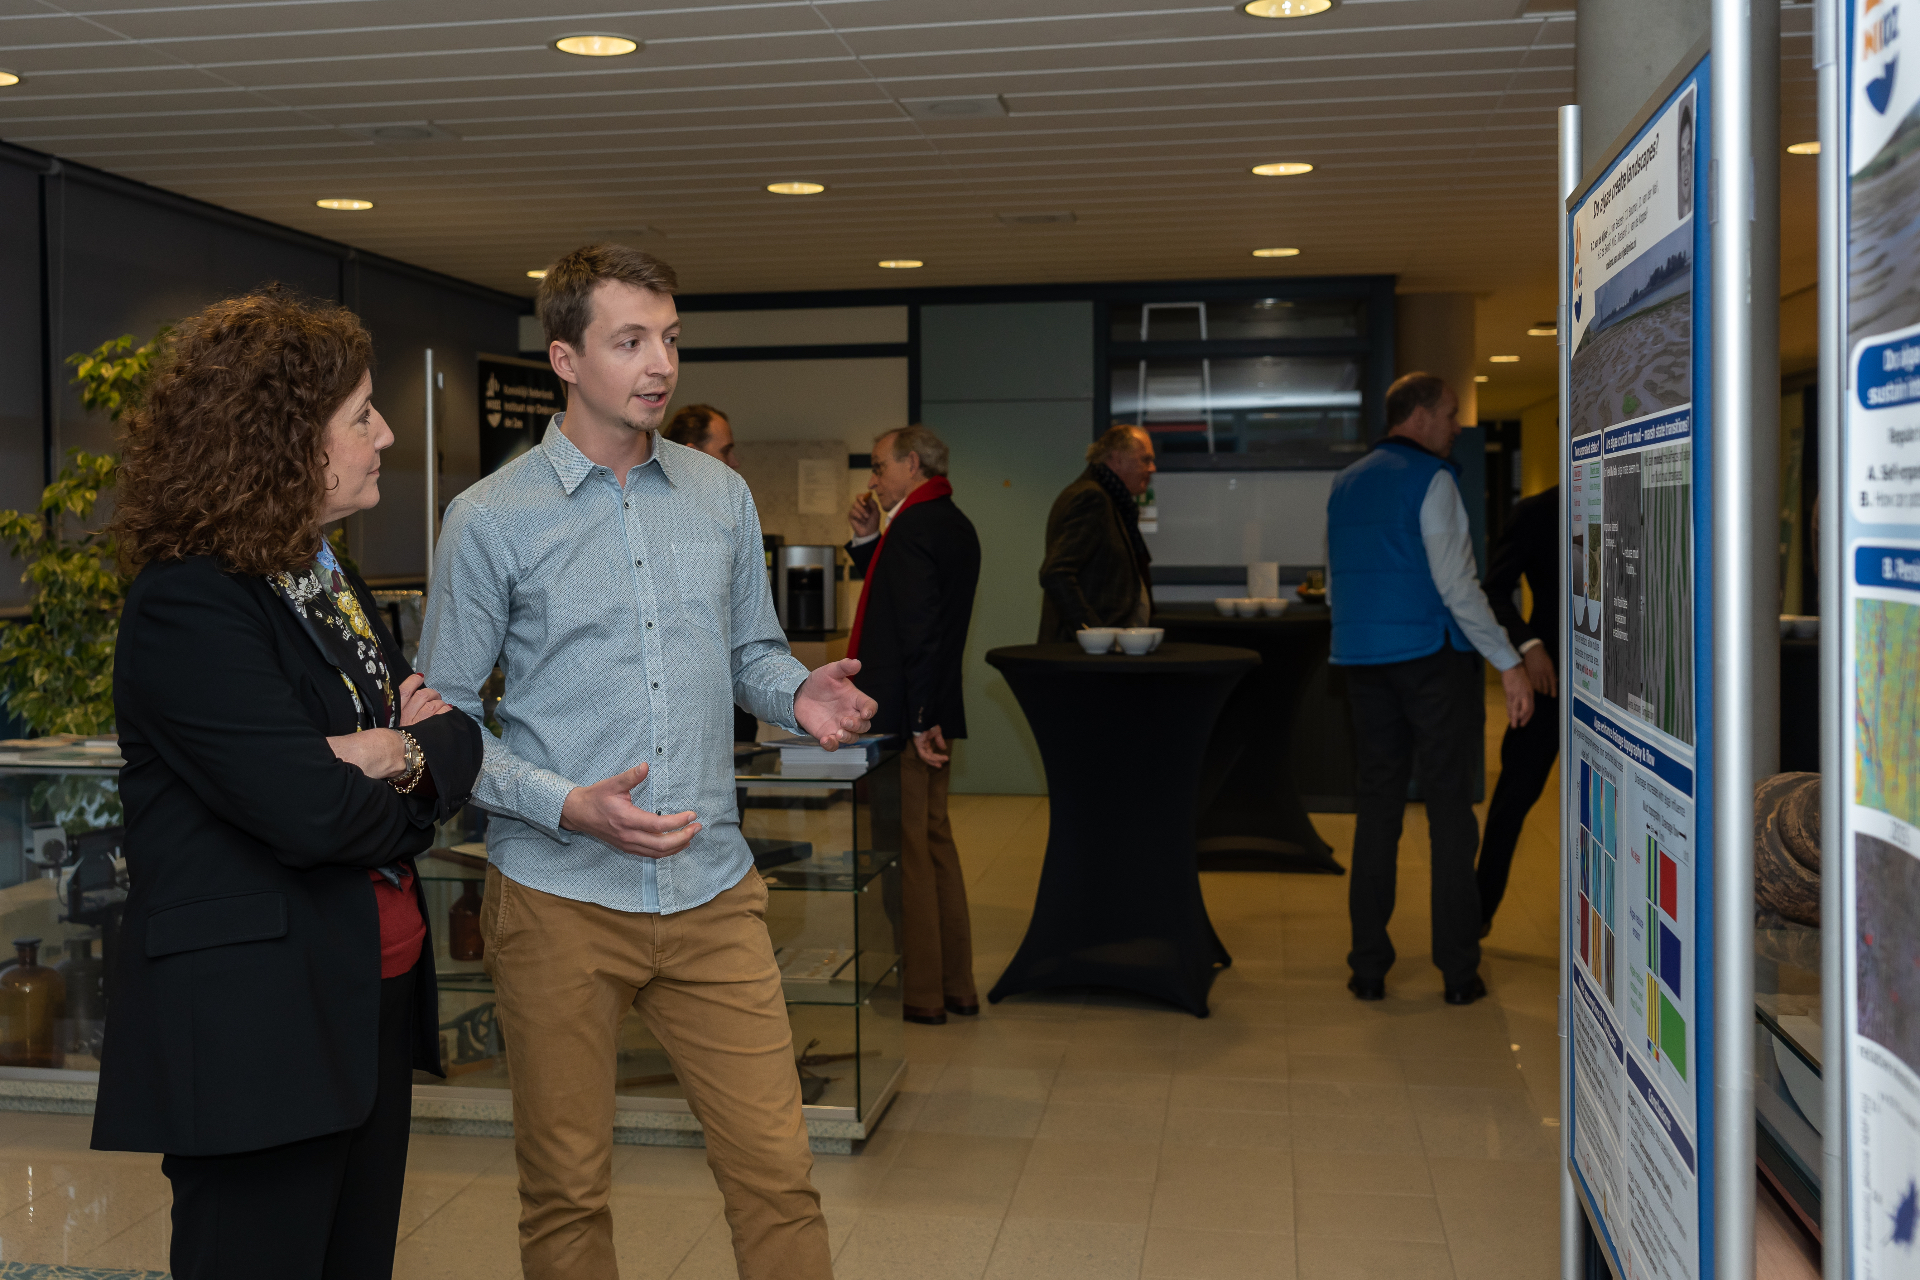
{"type": "Point", "coordinates": [1273, 606]}
{"type": "Point", "coordinates": [1246, 607]}
{"type": "Point", "coordinates": [1097, 640]}
{"type": "Point", "coordinates": [1225, 605]}
{"type": "Point", "coordinates": [1139, 641]}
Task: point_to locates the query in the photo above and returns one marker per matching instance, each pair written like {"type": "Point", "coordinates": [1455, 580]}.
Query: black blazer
{"type": "Point", "coordinates": [245, 1002]}
{"type": "Point", "coordinates": [916, 622]}
{"type": "Point", "coordinates": [1091, 575]}
{"type": "Point", "coordinates": [1531, 545]}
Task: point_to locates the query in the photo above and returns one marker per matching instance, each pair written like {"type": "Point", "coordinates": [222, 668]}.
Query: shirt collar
{"type": "Point", "coordinates": [572, 467]}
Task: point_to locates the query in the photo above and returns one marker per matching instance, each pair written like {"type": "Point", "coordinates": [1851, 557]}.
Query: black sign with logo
{"type": "Point", "coordinates": [517, 400]}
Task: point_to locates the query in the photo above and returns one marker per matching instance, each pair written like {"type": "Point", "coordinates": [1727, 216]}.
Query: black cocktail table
{"type": "Point", "coordinates": [1123, 740]}
{"type": "Point", "coordinates": [1252, 817]}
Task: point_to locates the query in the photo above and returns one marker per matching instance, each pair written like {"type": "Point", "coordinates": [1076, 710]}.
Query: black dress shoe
{"type": "Point", "coordinates": [964, 1010]}
{"type": "Point", "coordinates": [1467, 992]}
{"type": "Point", "coordinates": [1367, 988]}
{"type": "Point", "coordinates": [925, 1017]}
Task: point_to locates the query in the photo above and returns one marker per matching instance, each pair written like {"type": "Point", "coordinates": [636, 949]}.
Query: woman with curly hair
{"type": "Point", "coordinates": [274, 986]}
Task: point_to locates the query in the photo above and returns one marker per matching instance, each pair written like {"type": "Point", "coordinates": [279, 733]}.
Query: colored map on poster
{"type": "Point", "coordinates": [1886, 709]}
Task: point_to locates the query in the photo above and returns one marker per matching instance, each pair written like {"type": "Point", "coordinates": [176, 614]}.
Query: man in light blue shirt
{"type": "Point", "coordinates": [618, 580]}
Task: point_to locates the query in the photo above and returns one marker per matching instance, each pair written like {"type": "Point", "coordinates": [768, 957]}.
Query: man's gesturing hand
{"type": "Point", "coordinates": [1540, 671]}
{"type": "Point", "coordinates": [830, 708]}
{"type": "Point", "coordinates": [606, 812]}
{"type": "Point", "coordinates": [1519, 694]}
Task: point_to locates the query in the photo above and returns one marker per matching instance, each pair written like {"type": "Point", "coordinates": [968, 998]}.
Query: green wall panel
{"type": "Point", "coordinates": [1009, 387]}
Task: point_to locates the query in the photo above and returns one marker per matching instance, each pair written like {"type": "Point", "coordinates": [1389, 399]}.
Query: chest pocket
{"type": "Point", "coordinates": [704, 572]}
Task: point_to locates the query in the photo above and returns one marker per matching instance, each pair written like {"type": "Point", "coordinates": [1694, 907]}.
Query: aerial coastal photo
{"type": "Point", "coordinates": [1636, 356]}
{"type": "Point", "coordinates": [1882, 293]}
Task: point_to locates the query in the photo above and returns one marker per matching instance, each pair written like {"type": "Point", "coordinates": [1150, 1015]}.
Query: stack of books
{"type": "Point", "coordinates": [802, 757]}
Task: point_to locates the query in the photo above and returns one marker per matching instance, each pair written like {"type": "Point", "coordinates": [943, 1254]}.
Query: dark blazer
{"type": "Point", "coordinates": [1531, 546]}
{"type": "Point", "coordinates": [916, 623]}
{"type": "Point", "coordinates": [1091, 574]}
{"type": "Point", "coordinates": [246, 976]}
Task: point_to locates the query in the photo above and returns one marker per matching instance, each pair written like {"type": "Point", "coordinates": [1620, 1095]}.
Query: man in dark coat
{"type": "Point", "coordinates": [909, 633]}
{"type": "Point", "coordinates": [1096, 572]}
{"type": "Point", "coordinates": [1529, 547]}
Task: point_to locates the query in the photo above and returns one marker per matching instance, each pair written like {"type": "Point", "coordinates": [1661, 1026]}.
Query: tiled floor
{"type": "Point", "coordinates": [1077, 1136]}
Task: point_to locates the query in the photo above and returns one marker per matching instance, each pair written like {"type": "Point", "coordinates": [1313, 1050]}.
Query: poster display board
{"type": "Point", "coordinates": [1879, 633]}
{"type": "Point", "coordinates": [1638, 900]}
{"type": "Point", "coordinates": [517, 399]}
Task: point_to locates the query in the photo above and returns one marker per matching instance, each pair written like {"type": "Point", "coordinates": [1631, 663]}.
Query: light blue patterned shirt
{"type": "Point", "coordinates": [628, 623]}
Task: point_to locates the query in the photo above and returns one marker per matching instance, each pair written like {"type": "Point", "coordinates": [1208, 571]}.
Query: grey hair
{"type": "Point", "coordinates": [918, 439]}
{"type": "Point", "coordinates": [1118, 438]}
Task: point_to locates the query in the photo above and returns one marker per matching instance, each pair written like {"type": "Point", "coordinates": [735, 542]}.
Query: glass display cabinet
{"type": "Point", "coordinates": [829, 852]}
{"type": "Point", "coordinates": [1789, 1098]}
{"type": "Point", "coordinates": [828, 849]}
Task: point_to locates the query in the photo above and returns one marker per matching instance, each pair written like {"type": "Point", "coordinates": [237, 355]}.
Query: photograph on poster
{"type": "Point", "coordinates": [1633, 283]}
{"type": "Point", "coordinates": [1888, 947]}
{"type": "Point", "coordinates": [1647, 571]}
{"type": "Point", "coordinates": [1886, 708]}
{"type": "Point", "coordinates": [1584, 610]}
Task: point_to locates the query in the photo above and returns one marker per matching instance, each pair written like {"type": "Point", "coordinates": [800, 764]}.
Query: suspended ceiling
{"type": "Point", "coordinates": [1430, 124]}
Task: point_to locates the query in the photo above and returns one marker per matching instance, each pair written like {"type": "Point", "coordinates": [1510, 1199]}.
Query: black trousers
{"type": "Point", "coordinates": [1526, 760]}
{"type": "Point", "coordinates": [1428, 713]}
{"type": "Point", "coordinates": [325, 1208]}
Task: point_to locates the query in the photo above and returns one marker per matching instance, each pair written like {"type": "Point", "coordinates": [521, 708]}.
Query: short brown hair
{"type": "Point", "coordinates": [691, 425]}
{"type": "Point", "coordinates": [227, 456]}
{"type": "Point", "coordinates": [1118, 438]}
{"type": "Point", "coordinates": [564, 301]}
{"type": "Point", "coordinates": [1411, 392]}
{"type": "Point", "coordinates": [921, 440]}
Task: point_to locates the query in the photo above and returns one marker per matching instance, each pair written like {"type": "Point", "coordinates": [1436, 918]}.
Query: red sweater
{"type": "Point", "coordinates": [402, 928]}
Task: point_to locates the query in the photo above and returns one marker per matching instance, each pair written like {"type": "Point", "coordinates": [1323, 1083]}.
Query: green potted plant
{"type": "Point", "coordinates": [56, 664]}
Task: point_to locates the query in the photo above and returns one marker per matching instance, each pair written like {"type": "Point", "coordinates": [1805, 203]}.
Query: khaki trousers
{"type": "Point", "coordinates": [705, 982]}
{"type": "Point", "coordinates": [937, 942]}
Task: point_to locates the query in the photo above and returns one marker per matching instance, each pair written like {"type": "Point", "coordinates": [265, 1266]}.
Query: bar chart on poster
{"type": "Point", "coordinates": [1636, 352]}
{"type": "Point", "coordinates": [1878, 492]}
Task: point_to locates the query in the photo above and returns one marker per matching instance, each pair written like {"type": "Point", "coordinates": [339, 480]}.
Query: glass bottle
{"type": "Point", "coordinates": [84, 975]}
{"type": "Point", "coordinates": [32, 1000]}
{"type": "Point", "coordinates": [464, 940]}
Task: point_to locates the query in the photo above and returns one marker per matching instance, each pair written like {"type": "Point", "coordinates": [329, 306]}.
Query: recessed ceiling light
{"type": "Point", "coordinates": [8, 78]}
{"type": "Point", "coordinates": [1804, 149]}
{"type": "Point", "coordinates": [1503, 359]}
{"type": "Point", "coordinates": [1544, 331]}
{"type": "Point", "coordinates": [1479, 377]}
{"type": "Point", "coordinates": [537, 275]}
{"type": "Point", "coordinates": [344, 204]}
{"type": "Point", "coordinates": [596, 46]}
{"type": "Point", "coordinates": [796, 188]}
{"type": "Point", "coordinates": [901, 264]}
{"type": "Point", "coordinates": [1285, 169]}
{"type": "Point", "coordinates": [1286, 8]}
{"type": "Point", "coordinates": [1276, 253]}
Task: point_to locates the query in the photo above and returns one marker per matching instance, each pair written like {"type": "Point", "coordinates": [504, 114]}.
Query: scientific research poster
{"type": "Point", "coordinates": [1880, 585]}
{"type": "Point", "coordinates": [1634, 879]}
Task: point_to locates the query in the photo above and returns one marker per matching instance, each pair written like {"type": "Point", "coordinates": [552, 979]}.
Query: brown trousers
{"type": "Point", "coordinates": [705, 982]}
{"type": "Point", "coordinates": [937, 942]}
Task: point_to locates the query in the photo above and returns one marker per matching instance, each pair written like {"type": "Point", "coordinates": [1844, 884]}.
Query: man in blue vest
{"type": "Point", "coordinates": [1408, 615]}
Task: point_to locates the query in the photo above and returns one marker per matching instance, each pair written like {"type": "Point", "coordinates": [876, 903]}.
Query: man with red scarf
{"type": "Point", "coordinates": [909, 632]}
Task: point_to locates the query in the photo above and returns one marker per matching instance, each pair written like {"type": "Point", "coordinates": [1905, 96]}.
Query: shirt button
{"type": "Point", "coordinates": [638, 563]}
{"type": "Point", "coordinates": [628, 505]}
{"type": "Point", "coordinates": [659, 750]}
{"type": "Point", "coordinates": [649, 626]}
{"type": "Point", "coordinates": [656, 684]}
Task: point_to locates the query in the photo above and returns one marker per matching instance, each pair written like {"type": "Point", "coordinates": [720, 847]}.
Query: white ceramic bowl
{"type": "Point", "coordinates": [1225, 605]}
{"type": "Point", "coordinates": [1273, 606]}
{"type": "Point", "coordinates": [1246, 607]}
{"type": "Point", "coordinates": [1140, 640]}
{"type": "Point", "coordinates": [1097, 639]}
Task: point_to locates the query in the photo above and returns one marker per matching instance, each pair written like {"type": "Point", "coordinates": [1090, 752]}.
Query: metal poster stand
{"type": "Point", "coordinates": [1669, 410]}
{"type": "Point", "coordinates": [1870, 640]}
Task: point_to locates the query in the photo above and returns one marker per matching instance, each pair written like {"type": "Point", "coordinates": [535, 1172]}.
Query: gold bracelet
{"type": "Point", "coordinates": [416, 762]}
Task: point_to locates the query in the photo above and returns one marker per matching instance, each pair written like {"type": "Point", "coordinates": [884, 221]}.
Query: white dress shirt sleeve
{"type": "Point", "coordinates": [1444, 530]}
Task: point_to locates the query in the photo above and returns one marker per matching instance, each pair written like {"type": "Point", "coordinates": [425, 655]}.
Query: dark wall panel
{"type": "Point", "coordinates": [128, 265]}
{"type": "Point", "coordinates": [20, 418]}
{"type": "Point", "coordinates": [407, 316]}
